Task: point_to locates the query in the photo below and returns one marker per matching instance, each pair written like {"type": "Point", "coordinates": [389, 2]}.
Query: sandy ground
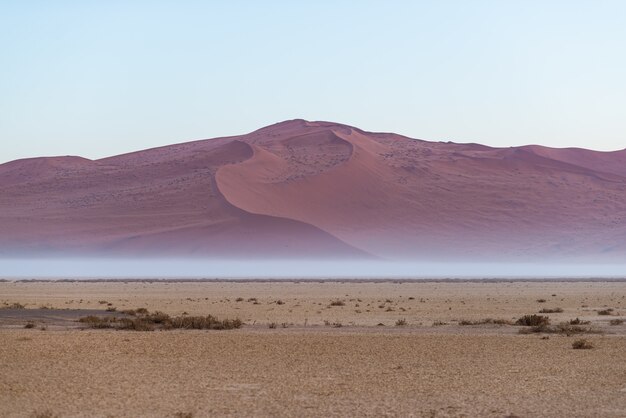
{"type": "Point", "coordinates": [309, 368]}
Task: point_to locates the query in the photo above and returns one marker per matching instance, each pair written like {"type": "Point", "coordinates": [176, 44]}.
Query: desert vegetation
{"type": "Point", "coordinates": [582, 344]}
{"type": "Point", "coordinates": [142, 320]}
{"type": "Point", "coordinates": [485, 321]}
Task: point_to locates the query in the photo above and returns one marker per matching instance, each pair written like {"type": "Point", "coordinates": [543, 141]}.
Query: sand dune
{"type": "Point", "coordinates": [312, 189]}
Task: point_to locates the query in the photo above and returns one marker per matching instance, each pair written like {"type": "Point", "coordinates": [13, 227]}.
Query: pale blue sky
{"type": "Point", "coordinates": [105, 77]}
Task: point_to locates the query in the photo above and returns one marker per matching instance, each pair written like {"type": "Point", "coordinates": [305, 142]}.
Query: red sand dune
{"type": "Point", "coordinates": [320, 189]}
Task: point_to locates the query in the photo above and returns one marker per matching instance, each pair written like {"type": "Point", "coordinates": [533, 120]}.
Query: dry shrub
{"type": "Point", "coordinates": [582, 344]}
{"type": "Point", "coordinates": [401, 322]}
{"type": "Point", "coordinates": [563, 328]}
{"type": "Point", "coordinates": [160, 320]}
{"type": "Point", "coordinates": [551, 310]}
{"type": "Point", "coordinates": [337, 303]}
{"type": "Point", "coordinates": [486, 321]}
{"type": "Point", "coordinates": [608, 311]}
{"type": "Point", "coordinates": [578, 321]}
{"type": "Point", "coordinates": [616, 322]}
{"type": "Point", "coordinates": [533, 320]}
{"type": "Point", "coordinates": [29, 325]}
{"type": "Point", "coordinates": [97, 322]}
{"type": "Point", "coordinates": [14, 305]}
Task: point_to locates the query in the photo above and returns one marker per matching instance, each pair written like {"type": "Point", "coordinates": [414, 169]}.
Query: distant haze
{"type": "Point", "coordinates": [62, 268]}
{"type": "Point", "coordinates": [97, 78]}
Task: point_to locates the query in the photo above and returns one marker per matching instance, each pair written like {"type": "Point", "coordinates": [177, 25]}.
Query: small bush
{"type": "Point", "coordinates": [141, 311]}
{"type": "Point", "coordinates": [29, 325]}
{"type": "Point", "coordinates": [551, 310]}
{"type": "Point", "coordinates": [239, 300]}
{"type": "Point", "coordinates": [280, 302]}
{"type": "Point", "coordinates": [337, 303]}
{"type": "Point", "coordinates": [44, 414]}
{"type": "Point", "coordinates": [616, 322]}
{"type": "Point", "coordinates": [401, 322]}
{"type": "Point", "coordinates": [608, 311]}
{"type": "Point", "coordinates": [541, 301]}
{"type": "Point", "coordinates": [563, 328]}
{"type": "Point", "coordinates": [582, 344]}
{"type": "Point", "coordinates": [161, 320]}
{"type": "Point", "coordinates": [14, 305]}
{"type": "Point", "coordinates": [272, 325]}
{"type": "Point", "coordinates": [578, 321]}
{"type": "Point", "coordinates": [111, 309]}
{"type": "Point", "coordinates": [486, 321]}
{"type": "Point", "coordinates": [97, 322]}
{"type": "Point", "coordinates": [533, 320]}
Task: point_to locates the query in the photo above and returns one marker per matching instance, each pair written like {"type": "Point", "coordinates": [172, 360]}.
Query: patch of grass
{"type": "Point", "coordinates": [14, 305]}
{"type": "Point", "coordinates": [111, 309]}
{"type": "Point", "coordinates": [608, 311]}
{"type": "Point", "coordinates": [578, 321]}
{"type": "Point", "coordinates": [272, 325]}
{"type": "Point", "coordinates": [239, 300]}
{"type": "Point", "coordinates": [29, 325]}
{"type": "Point", "coordinates": [541, 301]}
{"type": "Point", "coordinates": [337, 303]}
{"type": "Point", "coordinates": [486, 321]}
{"type": "Point", "coordinates": [563, 328]}
{"type": "Point", "coordinates": [93, 321]}
{"type": "Point", "coordinates": [401, 322]}
{"type": "Point", "coordinates": [44, 414]}
{"type": "Point", "coordinates": [582, 344]}
{"type": "Point", "coordinates": [551, 310]}
{"type": "Point", "coordinates": [616, 322]}
{"type": "Point", "coordinates": [533, 320]}
{"type": "Point", "coordinates": [141, 311]}
{"type": "Point", "coordinates": [439, 323]}
{"type": "Point", "coordinates": [160, 320]}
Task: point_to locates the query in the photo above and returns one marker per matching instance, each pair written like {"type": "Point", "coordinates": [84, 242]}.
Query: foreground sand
{"type": "Point", "coordinates": [316, 370]}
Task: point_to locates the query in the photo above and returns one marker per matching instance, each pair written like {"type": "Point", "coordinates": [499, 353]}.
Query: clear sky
{"type": "Point", "coordinates": [98, 78]}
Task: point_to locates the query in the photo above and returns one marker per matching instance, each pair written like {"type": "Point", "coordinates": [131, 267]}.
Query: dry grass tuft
{"type": "Point", "coordinates": [563, 328]}
{"type": "Point", "coordinates": [44, 414]}
{"type": "Point", "coordinates": [616, 322]}
{"type": "Point", "coordinates": [533, 320]}
{"type": "Point", "coordinates": [486, 321]}
{"type": "Point", "coordinates": [14, 305]}
{"type": "Point", "coordinates": [337, 303]}
{"type": "Point", "coordinates": [578, 321]}
{"type": "Point", "coordinates": [582, 344]}
{"type": "Point", "coordinates": [608, 311]}
{"type": "Point", "coordinates": [551, 310]}
{"type": "Point", "coordinates": [160, 320]}
{"type": "Point", "coordinates": [401, 322]}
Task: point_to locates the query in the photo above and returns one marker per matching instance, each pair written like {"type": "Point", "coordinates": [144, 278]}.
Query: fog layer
{"type": "Point", "coordinates": [61, 268]}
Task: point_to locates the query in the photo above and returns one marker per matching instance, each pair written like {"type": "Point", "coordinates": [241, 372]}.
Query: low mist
{"type": "Point", "coordinates": [61, 268]}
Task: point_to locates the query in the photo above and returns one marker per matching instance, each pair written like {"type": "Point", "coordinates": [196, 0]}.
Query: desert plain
{"type": "Point", "coordinates": [314, 348]}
